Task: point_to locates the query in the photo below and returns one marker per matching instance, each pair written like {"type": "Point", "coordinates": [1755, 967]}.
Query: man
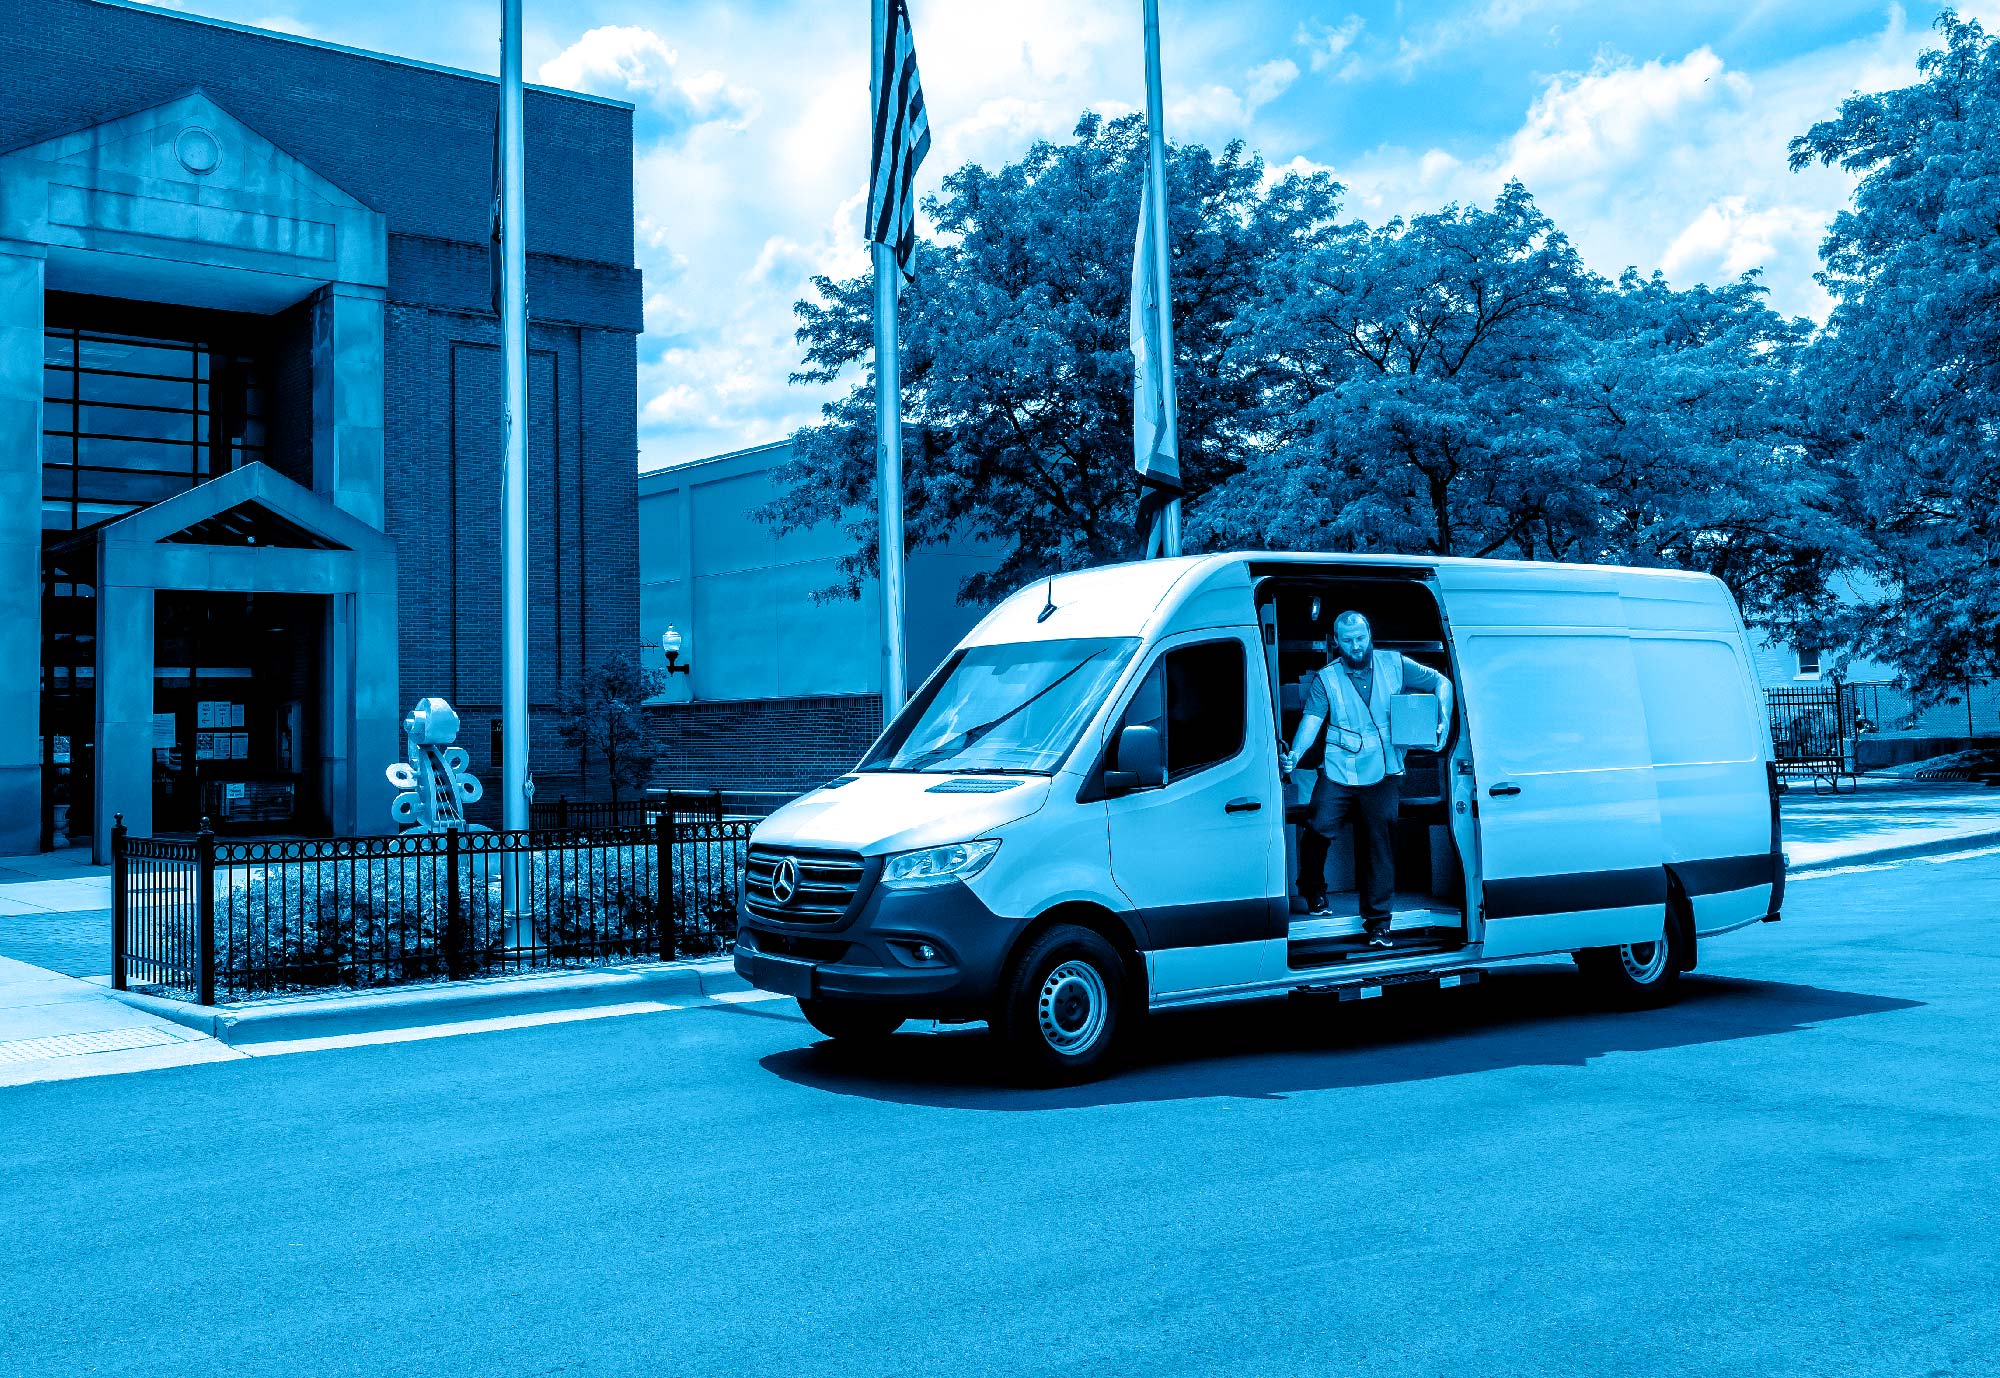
{"type": "Point", "coordinates": [1360, 777]}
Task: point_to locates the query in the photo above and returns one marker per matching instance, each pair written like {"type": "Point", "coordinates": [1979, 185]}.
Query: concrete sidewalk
{"type": "Point", "coordinates": [61, 882]}
{"type": "Point", "coordinates": [1885, 819]}
{"type": "Point", "coordinates": [53, 1027]}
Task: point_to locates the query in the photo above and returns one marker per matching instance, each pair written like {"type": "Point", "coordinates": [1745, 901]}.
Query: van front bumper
{"type": "Point", "coordinates": [874, 955]}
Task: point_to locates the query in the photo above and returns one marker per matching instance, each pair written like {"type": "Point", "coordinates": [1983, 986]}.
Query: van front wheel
{"type": "Point", "coordinates": [1059, 1012]}
{"type": "Point", "coordinates": [1638, 975]}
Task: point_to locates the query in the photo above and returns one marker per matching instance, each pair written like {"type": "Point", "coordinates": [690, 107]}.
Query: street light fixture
{"type": "Point", "coordinates": [671, 642]}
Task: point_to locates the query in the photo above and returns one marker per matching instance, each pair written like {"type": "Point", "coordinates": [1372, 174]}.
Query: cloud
{"type": "Point", "coordinates": [1677, 165]}
{"type": "Point", "coordinates": [1270, 80]}
{"type": "Point", "coordinates": [1584, 126]}
{"type": "Point", "coordinates": [1480, 24]}
{"type": "Point", "coordinates": [629, 62]}
{"type": "Point", "coordinates": [1730, 236]}
{"type": "Point", "coordinates": [1329, 45]}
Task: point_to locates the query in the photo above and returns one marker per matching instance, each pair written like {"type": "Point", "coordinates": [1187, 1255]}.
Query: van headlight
{"type": "Point", "coordinates": [939, 865]}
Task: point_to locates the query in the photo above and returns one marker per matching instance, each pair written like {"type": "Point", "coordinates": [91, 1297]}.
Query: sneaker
{"type": "Point", "coordinates": [1379, 937]}
{"type": "Point", "coordinates": [1317, 904]}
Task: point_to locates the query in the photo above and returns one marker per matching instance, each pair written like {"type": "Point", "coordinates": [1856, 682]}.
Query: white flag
{"type": "Point", "coordinates": [1155, 446]}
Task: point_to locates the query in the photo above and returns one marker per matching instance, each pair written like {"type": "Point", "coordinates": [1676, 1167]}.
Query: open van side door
{"type": "Point", "coordinates": [1570, 842]}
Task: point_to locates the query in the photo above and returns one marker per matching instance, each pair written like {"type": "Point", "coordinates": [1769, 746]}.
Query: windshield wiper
{"type": "Point", "coordinates": [998, 770]}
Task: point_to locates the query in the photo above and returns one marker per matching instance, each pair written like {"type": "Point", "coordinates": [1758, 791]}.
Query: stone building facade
{"type": "Point", "coordinates": [249, 419]}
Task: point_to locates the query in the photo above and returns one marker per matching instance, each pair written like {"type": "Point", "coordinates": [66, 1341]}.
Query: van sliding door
{"type": "Point", "coordinates": [1569, 820]}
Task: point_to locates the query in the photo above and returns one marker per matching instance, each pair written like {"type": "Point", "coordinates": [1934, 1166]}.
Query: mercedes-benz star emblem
{"type": "Point", "coordinates": [785, 881]}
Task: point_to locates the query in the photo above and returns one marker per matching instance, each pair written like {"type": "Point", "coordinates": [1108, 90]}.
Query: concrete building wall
{"type": "Point", "coordinates": [785, 682]}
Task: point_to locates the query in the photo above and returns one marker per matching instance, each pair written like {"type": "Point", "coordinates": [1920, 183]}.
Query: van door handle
{"type": "Point", "coordinates": [1243, 806]}
{"type": "Point", "coordinates": [1499, 790]}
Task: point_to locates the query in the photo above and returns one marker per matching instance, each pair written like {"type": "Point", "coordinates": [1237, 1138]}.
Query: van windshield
{"type": "Point", "coordinates": [1013, 708]}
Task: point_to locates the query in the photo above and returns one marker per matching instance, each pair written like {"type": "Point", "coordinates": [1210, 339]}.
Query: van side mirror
{"type": "Point", "coordinates": [1140, 762]}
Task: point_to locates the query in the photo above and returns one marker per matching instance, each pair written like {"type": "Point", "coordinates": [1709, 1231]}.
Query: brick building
{"type": "Point", "coordinates": [245, 326]}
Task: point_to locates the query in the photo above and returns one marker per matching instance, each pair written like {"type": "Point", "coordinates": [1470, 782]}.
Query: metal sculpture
{"type": "Point", "coordinates": [434, 782]}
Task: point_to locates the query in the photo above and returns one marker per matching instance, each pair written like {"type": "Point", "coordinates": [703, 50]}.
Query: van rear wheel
{"type": "Point", "coordinates": [1638, 975]}
{"type": "Point", "coordinates": [851, 1021]}
{"type": "Point", "coordinates": [1059, 1012]}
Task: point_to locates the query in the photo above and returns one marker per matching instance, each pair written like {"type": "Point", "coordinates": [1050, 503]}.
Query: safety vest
{"type": "Point", "coordinates": [1357, 734]}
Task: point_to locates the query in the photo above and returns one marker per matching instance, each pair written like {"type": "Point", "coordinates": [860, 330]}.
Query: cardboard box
{"type": "Point", "coordinates": [1413, 720]}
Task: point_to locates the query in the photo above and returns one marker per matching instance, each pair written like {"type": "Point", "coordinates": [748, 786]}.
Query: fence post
{"type": "Point", "coordinates": [663, 867]}
{"type": "Point", "coordinates": [562, 812]}
{"type": "Point", "coordinates": [119, 917]}
{"type": "Point", "coordinates": [454, 910]}
{"type": "Point", "coordinates": [204, 900]}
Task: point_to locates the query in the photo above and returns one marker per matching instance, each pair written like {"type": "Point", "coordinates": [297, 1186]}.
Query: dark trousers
{"type": "Point", "coordinates": [1369, 811]}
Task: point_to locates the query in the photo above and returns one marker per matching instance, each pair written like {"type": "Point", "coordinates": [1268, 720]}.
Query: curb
{"type": "Point", "coordinates": [1963, 842]}
{"type": "Point", "coordinates": [369, 1011]}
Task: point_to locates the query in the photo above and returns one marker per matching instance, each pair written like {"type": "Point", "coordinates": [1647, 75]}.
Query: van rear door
{"type": "Point", "coordinates": [1569, 819]}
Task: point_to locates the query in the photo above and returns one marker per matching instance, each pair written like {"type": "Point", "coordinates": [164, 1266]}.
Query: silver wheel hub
{"type": "Point", "coordinates": [1645, 963]}
{"type": "Point", "coordinates": [1071, 1007]}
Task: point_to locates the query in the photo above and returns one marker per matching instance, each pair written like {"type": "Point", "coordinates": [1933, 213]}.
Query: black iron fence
{"type": "Point", "coordinates": [1812, 731]}
{"type": "Point", "coordinates": [225, 919]}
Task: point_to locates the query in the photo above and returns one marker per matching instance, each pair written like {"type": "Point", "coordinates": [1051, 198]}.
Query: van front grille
{"type": "Point", "coordinates": [820, 887]}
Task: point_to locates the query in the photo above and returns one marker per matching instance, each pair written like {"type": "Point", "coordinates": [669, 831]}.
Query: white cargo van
{"type": "Point", "coordinates": [1081, 816]}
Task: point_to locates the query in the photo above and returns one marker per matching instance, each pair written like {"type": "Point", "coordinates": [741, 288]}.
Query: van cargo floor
{"type": "Point", "coordinates": [1418, 923]}
{"type": "Point", "coordinates": [1345, 950]}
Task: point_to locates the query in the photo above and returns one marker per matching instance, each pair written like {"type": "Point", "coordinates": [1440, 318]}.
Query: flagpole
{"type": "Point", "coordinates": [1156, 175]}
{"type": "Point", "coordinates": [514, 454]}
{"type": "Point", "coordinates": [888, 422]}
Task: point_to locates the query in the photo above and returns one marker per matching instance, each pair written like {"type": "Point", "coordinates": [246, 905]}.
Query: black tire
{"type": "Point", "coordinates": [851, 1021]}
{"type": "Point", "coordinates": [1639, 976]}
{"type": "Point", "coordinates": [1061, 1006]}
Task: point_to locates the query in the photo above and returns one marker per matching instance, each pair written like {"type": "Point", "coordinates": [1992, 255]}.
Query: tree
{"type": "Point", "coordinates": [1903, 386]}
{"type": "Point", "coordinates": [603, 717]}
{"type": "Point", "coordinates": [1460, 384]}
{"type": "Point", "coordinates": [1410, 384]}
{"type": "Point", "coordinates": [1016, 352]}
{"type": "Point", "coordinates": [1685, 407]}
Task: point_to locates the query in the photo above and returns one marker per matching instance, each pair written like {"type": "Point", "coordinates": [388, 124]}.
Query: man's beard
{"type": "Point", "coordinates": [1353, 662]}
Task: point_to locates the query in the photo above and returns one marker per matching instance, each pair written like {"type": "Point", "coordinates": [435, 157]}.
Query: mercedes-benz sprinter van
{"type": "Point", "coordinates": [1082, 816]}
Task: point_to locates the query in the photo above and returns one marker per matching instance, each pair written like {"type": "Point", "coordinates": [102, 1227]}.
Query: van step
{"type": "Point", "coordinates": [1335, 949]}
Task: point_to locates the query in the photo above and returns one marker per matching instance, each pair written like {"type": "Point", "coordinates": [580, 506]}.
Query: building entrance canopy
{"type": "Point", "coordinates": [251, 531]}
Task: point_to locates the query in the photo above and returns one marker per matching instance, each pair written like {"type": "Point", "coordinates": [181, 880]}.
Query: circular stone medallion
{"type": "Point", "coordinates": [198, 150]}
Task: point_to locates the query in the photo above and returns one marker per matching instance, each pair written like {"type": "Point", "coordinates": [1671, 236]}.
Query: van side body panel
{"type": "Point", "coordinates": [1708, 737]}
{"type": "Point", "coordinates": [1570, 846]}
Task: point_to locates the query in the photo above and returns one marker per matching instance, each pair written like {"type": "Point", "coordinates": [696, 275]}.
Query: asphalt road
{"type": "Point", "coordinates": [1793, 1171]}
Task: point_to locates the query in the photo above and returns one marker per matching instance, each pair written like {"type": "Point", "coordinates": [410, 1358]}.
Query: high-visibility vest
{"type": "Point", "coordinates": [1357, 734]}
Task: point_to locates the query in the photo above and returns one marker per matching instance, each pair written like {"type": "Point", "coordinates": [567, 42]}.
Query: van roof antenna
{"type": "Point", "coordinates": [1050, 607]}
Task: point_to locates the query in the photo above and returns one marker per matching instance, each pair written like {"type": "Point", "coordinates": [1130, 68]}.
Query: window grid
{"type": "Point", "coordinates": [113, 441]}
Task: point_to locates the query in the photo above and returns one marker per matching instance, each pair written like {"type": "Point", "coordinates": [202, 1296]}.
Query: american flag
{"type": "Point", "coordinates": [902, 138]}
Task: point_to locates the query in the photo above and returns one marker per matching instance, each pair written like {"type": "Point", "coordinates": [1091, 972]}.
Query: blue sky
{"type": "Point", "coordinates": [1653, 132]}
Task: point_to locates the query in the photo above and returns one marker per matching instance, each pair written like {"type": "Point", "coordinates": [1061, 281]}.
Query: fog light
{"type": "Point", "coordinates": [926, 953]}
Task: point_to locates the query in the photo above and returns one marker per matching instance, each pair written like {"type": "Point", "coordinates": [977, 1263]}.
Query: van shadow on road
{"type": "Point", "coordinates": [1532, 1017]}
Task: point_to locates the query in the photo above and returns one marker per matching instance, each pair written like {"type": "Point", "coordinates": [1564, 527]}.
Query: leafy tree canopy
{"type": "Point", "coordinates": [1903, 387]}
{"type": "Point", "coordinates": [1017, 370]}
